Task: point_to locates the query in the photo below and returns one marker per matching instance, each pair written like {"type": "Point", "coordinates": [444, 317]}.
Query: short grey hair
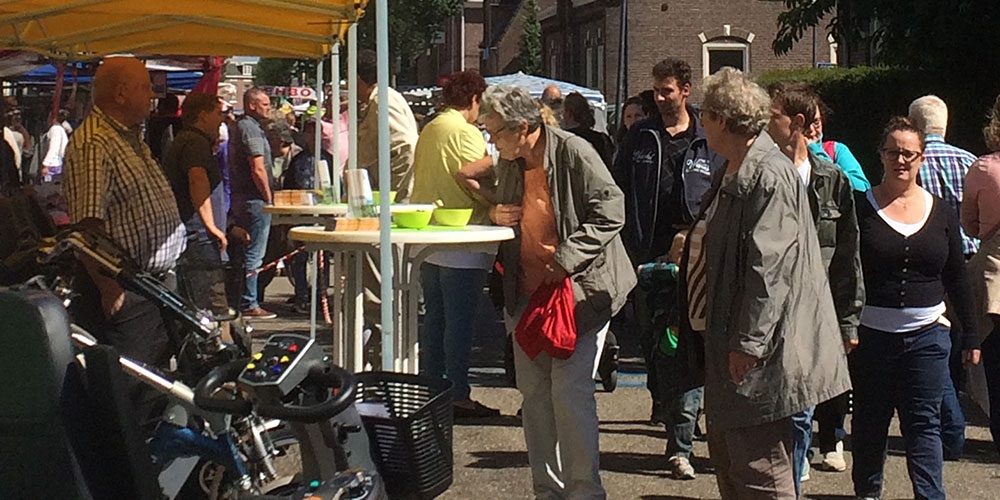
{"type": "Point", "coordinates": [741, 103]}
{"type": "Point", "coordinates": [930, 114]}
{"type": "Point", "coordinates": [512, 104]}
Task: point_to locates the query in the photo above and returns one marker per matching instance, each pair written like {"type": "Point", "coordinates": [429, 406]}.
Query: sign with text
{"type": "Point", "coordinates": [290, 92]}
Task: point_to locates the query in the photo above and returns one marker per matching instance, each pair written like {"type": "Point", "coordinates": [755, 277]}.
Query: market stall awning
{"type": "Point", "coordinates": [84, 29]}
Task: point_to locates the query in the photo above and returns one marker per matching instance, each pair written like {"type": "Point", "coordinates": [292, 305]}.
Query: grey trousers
{"type": "Point", "coordinates": [560, 417]}
{"type": "Point", "coordinates": [753, 463]}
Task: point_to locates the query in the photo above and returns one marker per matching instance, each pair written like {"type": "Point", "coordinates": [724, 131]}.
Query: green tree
{"type": "Point", "coordinates": [530, 57]}
{"type": "Point", "coordinates": [274, 71]}
{"type": "Point", "coordinates": [932, 34]}
{"type": "Point", "coordinates": [412, 26]}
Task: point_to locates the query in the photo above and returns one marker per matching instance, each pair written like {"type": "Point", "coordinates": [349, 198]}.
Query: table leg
{"type": "Point", "coordinates": [356, 318]}
{"type": "Point", "coordinates": [314, 258]}
{"type": "Point", "coordinates": [336, 309]}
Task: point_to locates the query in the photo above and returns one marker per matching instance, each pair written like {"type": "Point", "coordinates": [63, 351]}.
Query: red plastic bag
{"type": "Point", "coordinates": [549, 323]}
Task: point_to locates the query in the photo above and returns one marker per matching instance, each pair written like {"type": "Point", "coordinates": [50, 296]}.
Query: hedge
{"type": "Point", "coordinates": [862, 100]}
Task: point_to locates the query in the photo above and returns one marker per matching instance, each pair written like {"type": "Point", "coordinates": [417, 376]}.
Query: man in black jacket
{"type": "Point", "coordinates": [664, 166]}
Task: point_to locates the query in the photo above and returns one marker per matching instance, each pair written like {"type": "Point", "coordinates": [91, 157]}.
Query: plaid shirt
{"type": "Point", "coordinates": [943, 175]}
{"type": "Point", "coordinates": [110, 175]}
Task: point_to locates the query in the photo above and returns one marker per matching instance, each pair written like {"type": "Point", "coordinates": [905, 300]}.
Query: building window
{"type": "Point", "coordinates": [834, 46]}
{"type": "Point", "coordinates": [247, 70]}
{"type": "Point", "coordinates": [553, 59]}
{"type": "Point", "coordinates": [600, 58]}
{"type": "Point", "coordinates": [716, 55]}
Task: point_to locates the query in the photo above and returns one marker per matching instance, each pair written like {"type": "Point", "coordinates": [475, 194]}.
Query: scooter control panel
{"type": "Point", "coordinates": [281, 364]}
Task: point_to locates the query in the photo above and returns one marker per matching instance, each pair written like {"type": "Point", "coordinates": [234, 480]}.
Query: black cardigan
{"type": "Point", "coordinates": [919, 270]}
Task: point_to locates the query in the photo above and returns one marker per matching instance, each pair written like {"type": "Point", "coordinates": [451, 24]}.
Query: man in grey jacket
{"type": "Point", "coordinates": [555, 190]}
{"type": "Point", "coordinates": [772, 340]}
{"type": "Point", "coordinates": [832, 201]}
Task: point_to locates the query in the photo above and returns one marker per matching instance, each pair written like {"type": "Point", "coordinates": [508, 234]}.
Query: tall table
{"type": "Point", "coordinates": [297, 215]}
{"type": "Point", "coordinates": [410, 248]}
{"type": "Point", "coordinates": [321, 215]}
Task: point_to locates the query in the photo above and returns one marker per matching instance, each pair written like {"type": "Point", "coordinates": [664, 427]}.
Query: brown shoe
{"type": "Point", "coordinates": [258, 313]}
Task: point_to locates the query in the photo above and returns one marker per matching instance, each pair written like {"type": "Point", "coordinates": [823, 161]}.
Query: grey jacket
{"type": "Point", "coordinates": [831, 198]}
{"type": "Point", "coordinates": [590, 212]}
{"type": "Point", "coordinates": [768, 296]}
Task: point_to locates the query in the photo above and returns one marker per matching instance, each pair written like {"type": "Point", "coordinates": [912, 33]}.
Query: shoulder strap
{"type": "Point", "coordinates": [831, 150]}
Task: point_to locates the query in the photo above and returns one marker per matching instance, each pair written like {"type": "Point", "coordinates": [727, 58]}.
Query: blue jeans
{"type": "Point", "coordinates": [451, 298]}
{"type": "Point", "coordinates": [680, 404]}
{"type": "Point", "coordinates": [251, 217]}
{"type": "Point", "coordinates": [802, 424]}
{"type": "Point", "coordinates": [907, 373]}
{"type": "Point", "coordinates": [952, 423]}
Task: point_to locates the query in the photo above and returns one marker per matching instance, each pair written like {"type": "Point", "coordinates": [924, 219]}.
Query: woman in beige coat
{"type": "Point", "coordinates": [981, 219]}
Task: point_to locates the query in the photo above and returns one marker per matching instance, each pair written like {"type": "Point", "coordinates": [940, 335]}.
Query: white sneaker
{"type": "Point", "coordinates": [681, 468]}
{"type": "Point", "coordinates": [805, 472]}
{"type": "Point", "coordinates": [834, 460]}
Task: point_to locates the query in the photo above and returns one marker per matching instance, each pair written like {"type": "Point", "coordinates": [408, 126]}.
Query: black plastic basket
{"type": "Point", "coordinates": [412, 446]}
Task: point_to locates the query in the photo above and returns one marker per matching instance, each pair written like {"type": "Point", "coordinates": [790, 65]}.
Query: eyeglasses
{"type": "Point", "coordinates": [896, 154]}
{"type": "Point", "coordinates": [494, 133]}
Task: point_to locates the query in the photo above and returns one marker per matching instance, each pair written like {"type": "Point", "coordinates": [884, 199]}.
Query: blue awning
{"type": "Point", "coordinates": [46, 75]}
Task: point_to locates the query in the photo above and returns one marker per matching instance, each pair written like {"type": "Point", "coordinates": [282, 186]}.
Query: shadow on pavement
{"type": "Point", "coordinates": [498, 459]}
{"type": "Point", "coordinates": [501, 421]}
{"type": "Point", "coordinates": [666, 497]}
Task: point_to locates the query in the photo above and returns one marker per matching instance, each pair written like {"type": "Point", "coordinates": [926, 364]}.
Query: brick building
{"type": "Point", "coordinates": [484, 38]}
{"type": "Point", "coordinates": [581, 39]}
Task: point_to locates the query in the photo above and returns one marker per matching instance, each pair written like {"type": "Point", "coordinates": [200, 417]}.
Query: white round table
{"type": "Point", "coordinates": [410, 248]}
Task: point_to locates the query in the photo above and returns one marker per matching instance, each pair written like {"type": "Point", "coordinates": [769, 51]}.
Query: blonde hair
{"type": "Point", "coordinates": [930, 114]}
{"type": "Point", "coordinates": [991, 132]}
{"type": "Point", "coordinates": [548, 117]}
{"type": "Point", "coordinates": [741, 103]}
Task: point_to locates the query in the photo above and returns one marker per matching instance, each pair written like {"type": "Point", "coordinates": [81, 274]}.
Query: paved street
{"type": "Point", "coordinates": [491, 461]}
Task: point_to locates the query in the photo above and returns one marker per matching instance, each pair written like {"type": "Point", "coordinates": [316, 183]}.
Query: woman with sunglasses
{"type": "Point", "coordinates": [911, 255]}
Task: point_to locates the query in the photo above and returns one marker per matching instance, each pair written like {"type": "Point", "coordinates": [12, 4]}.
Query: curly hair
{"type": "Point", "coordinates": [741, 103]}
{"type": "Point", "coordinates": [902, 124]}
{"type": "Point", "coordinates": [512, 104]}
{"type": "Point", "coordinates": [991, 132]}
{"type": "Point", "coordinates": [459, 88]}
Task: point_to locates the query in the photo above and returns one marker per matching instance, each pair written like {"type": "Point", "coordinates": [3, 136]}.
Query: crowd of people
{"type": "Point", "coordinates": [795, 280]}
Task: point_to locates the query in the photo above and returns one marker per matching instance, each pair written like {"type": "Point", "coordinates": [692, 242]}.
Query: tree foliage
{"type": "Point", "coordinates": [274, 71]}
{"type": "Point", "coordinates": [530, 57]}
{"type": "Point", "coordinates": [912, 33]}
{"type": "Point", "coordinates": [412, 26]}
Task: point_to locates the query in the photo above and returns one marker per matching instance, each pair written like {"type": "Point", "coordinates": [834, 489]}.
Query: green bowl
{"type": "Point", "coordinates": [416, 219]}
{"type": "Point", "coordinates": [377, 198]}
{"type": "Point", "coordinates": [455, 217]}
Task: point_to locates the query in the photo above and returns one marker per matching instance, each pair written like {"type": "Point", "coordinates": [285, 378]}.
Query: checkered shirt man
{"type": "Point", "coordinates": [943, 175]}
{"type": "Point", "coordinates": [111, 175]}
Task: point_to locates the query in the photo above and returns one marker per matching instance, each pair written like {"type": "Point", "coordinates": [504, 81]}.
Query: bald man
{"type": "Point", "coordinates": [553, 98]}
{"type": "Point", "coordinates": [114, 186]}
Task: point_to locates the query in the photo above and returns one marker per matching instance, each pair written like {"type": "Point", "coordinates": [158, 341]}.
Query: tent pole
{"type": "Point", "coordinates": [385, 220]}
{"type": "Point", "coordinates": [316, 165]}
{"type": "Point", "coordinates": [334, 99]}
{"type": "Point", "coordinates": [352, 96]}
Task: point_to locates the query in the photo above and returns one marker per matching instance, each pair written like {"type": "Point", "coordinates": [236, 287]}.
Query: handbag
{"type": "Point", "coordinates": [549, 323]}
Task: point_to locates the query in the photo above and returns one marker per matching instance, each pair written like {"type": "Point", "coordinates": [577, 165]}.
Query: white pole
{"type": "Point", "coordinates": [352, 164]}
{"type": "Point", "coordinates": [385, 220]}
{"type": "Point", "coordinates": [461, 52]}
{"type": "Point", "coordinates": [352, 95]}
{"type": "Point", "coordinates": [317, 153]}
{"type": "Point", "coordinates": [334, 98]}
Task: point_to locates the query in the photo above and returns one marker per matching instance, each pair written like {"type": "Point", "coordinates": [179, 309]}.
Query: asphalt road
{"type": "Point", "coordinates": [491, 460]}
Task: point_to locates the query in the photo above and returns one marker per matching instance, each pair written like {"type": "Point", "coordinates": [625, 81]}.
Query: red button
{"type": "Point", "coordinates": [293, 348]}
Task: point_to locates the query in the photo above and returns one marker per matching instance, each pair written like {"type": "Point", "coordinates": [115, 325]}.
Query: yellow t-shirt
{"type": "Point", "coordinates": [446, 144]}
